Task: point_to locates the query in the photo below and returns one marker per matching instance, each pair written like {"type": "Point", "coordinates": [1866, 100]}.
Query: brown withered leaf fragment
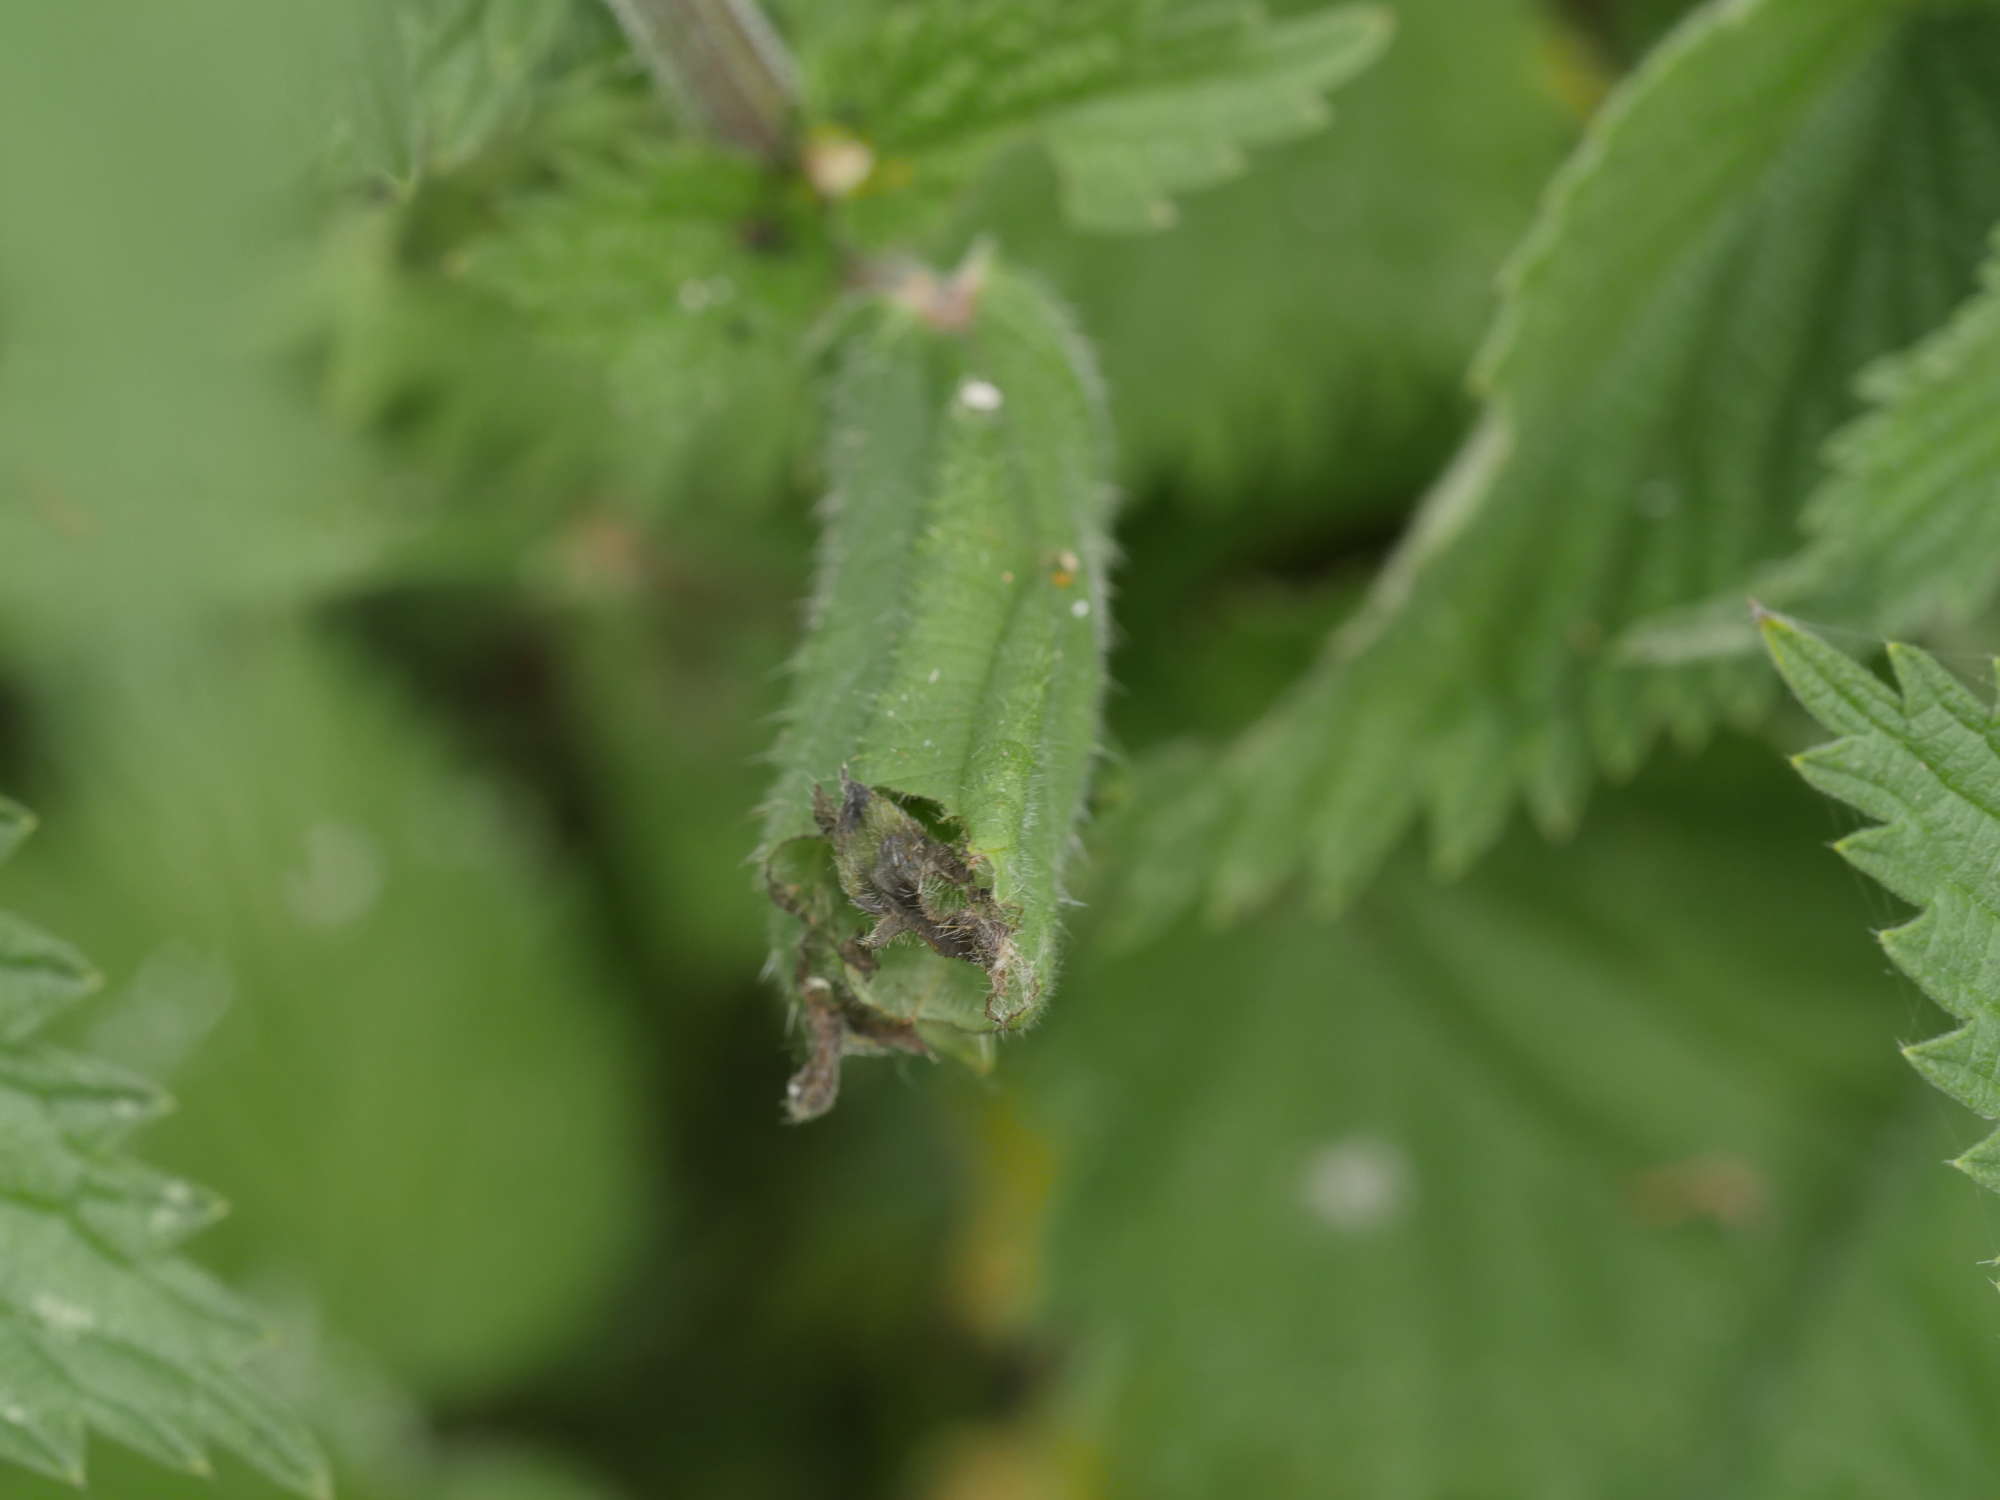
{"type": "Point", "coordinates": [812, 1090]}
{"type": "Point", "coordinates": [872, 1034]}
{"type": "Point", "coordinates": [874, 860]}
{"type": "Point", "coordinates": [815, 902]}
{"type": "Point", "coordinates": [836, 1026]}
{"type": "Point", "coordinates": [894, 869]}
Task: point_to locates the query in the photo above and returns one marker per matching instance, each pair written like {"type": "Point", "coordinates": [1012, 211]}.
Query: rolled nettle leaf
{"type": "Point", "coordinates": [945, 703]}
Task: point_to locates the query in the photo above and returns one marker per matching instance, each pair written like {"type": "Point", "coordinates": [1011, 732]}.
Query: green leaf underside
{"type": "Point", "coordinates": [1905, 532]}
{"type": "Point", "coordinates": [101, 1325]}
{"type": "Point", "coordinates": [954, 659]}
{"type": "Point", "coordinates": [1678, 338]}
{"type": "Point", "coordinates": [1135, 101]}
{"type": "Point", "coordinates": [1587, 1176]}
{"type": "Point", "coordinates": [1924, 760]}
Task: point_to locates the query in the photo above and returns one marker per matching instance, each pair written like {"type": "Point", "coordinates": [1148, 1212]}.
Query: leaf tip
{"type": "Point", "coordinates": [1772, 625]}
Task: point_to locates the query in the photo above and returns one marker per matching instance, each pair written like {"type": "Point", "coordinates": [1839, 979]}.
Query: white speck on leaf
{"type": "Point", "coordinates": [1081, 608]}
{"type": "Point", "coordinates": [975, 394]}
{"type": "Point", "coordinates": [1358, 1183]}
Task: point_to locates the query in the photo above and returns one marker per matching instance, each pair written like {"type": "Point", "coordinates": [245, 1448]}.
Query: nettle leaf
{"type": "Point", "coordinates": [1924, 760]}
{"type": "Point", "coordinates": [1303, 332]}
{"type": "Point", "coordinates": [1911, 518]}
{"type": "Point", "coordinates": [432, 82]}
{"type": "Point", "coordinates": [101, 1325]}
{"type": "Point", "coordinates": [305, 1006]}
{"type": "Point", "coordinates": [1124, 157]}
{"type": "Point", "coordinates": [1905, 532]}
{"type": "Point", "coordinates": [1586, 1176]}
{"type": "Point", "coordinates": [685, 283]}
{"type": "Point", "coordinates": [1679, 336]}
{"type": "Point", "coordinates": [945, 706]}
{"type": "Point", "coordinates": [1136, 101]}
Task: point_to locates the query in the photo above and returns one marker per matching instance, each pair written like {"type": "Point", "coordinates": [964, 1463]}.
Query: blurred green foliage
{"type": "Point", "coordinates": [1577, 1178]}
{"type": "Point", "coordinates": [1299, 341]}
{"type": "Point", "coordinates": [1698, 300]}
{"type": "Point", "coordinates": [378, 953]}
{"type": "Point", "coordinates": [409, 434]}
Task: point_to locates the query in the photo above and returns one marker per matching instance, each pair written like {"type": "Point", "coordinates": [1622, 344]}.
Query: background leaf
{"type": "Point", "coordinates": [687, 282]}
{"type": "Point", "coordinates": [428, 84]}
{"type": "Point", "coordinates": [102, 1326]}
{"type": "Point", "coordinates": [376, 955]}
{"type": "Point", "coordinates": [1124, 157]}
{"type": "Point", "coordinates": [1135, 100]}
{"type": "Point", "coordinates": [1589, 1175]}
{"type": "Point", "coordinates": [1295, 348]}
{"type": "Point", "coordinates": [1904, 531]}
{"type": "Point", "coordinates": [1646, 440]}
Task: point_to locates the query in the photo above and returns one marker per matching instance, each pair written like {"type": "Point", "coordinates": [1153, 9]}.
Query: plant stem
{"type": "Point", "coordinates": [721, 62]}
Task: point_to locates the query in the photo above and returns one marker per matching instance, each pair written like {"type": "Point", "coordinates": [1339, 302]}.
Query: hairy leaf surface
{"type": "Point", "coordinates": [1678, 338]}
{"type": "Point", "coordinates": [1923, 760]}
{"type": "Point", "coordinates": [102, 1326]}
{"type": "Point", "coordinates": [945, 705]}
